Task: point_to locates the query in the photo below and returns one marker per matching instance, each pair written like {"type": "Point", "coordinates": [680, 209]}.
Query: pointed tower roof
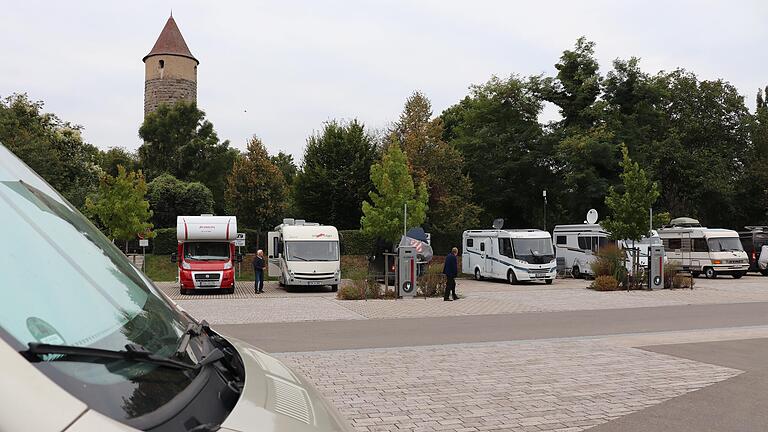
{"type": "Point", "coordinates": [171, 42]}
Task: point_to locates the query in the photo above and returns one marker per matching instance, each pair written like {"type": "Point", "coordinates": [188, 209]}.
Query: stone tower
{"type": "Point", "coordinates": [170, 70]}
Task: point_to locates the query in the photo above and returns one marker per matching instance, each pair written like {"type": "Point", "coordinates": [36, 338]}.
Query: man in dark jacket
{"type": "Point", "coordinates": [451, 270]}
{"type": "Point", "coordinates": [258, 271]}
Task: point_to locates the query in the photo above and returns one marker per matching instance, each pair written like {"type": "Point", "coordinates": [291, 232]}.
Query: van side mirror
{"type": "Point", "coordinates": [238, 257]}
{"type": "Point", "coordinates": [174, 257]}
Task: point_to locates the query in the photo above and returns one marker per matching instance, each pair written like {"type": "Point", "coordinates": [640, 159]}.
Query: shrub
{"type": "Point", "coordinates": [610, 262]}
{"type": "Point", "coordinates": [432, 282]}
{"type": "Point", "coordinates": [356, 242]}
{"type": "Point", "coordinates": [605, 283]}
{"type": "Point", "coordinates": [672, 278]}
{"type": "Point", "coordinates": [165, 242]}
{"type": "Point", "coordinates": [349, 292]}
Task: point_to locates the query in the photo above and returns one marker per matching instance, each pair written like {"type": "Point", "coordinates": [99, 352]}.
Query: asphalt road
{"type": "Point", "coordinates": [737, 404]}
{"type": "Point", "coordinates": [355, 334]}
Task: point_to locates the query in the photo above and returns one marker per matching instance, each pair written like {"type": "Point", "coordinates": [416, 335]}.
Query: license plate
{"type": "Point", "coordinates": [209, 283]}
{"type": "Point", "coordinates": [315, 282]}
{"type": "Point", "coordinates": [540, 275]}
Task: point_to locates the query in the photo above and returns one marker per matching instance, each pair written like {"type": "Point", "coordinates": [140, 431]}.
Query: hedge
{"type": "Point", "coordinates": [165, 242]}
{"type": "Point", "coordinates": [356, 242]}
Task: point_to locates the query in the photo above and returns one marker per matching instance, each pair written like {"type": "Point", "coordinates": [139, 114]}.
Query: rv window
{"type": "Point", "coordinates": [586, 243]}
{"type": "Point", "coordinates": [673, 244]}
{"type": "Point", "coordinates": [561, 240]}
{"type": "Point", "coordinates": [602, 241]}
{"type": "Point", "coordinates": [482, 246]}
{"type": "Point", "coordinates": [700, 245]}
{"type": "Point", "coordinates": [505, 247]}
{"type": "Point", "coordinates": [470, 242]}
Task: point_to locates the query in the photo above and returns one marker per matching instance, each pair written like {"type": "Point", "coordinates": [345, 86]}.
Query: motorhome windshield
{"type": "Point", "coordinates": [206, 251]}
{"type": "Point", "coordinates": [312, 250]}
{"type": "Point", "coordinates": [82, 291]}
{"type": "Point", "coordinates": [725, 244]}
{"type": "Point", "coordinates": [533, 250]}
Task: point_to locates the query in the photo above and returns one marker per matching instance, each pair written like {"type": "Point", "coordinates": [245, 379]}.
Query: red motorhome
{"type": "Point", "coordinates": [206, 253]}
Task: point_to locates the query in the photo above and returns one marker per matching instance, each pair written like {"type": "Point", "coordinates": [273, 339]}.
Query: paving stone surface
{"type": "Point", "coordinates": [267, 309]}
{"type": "Point", "coordinates": [478, 298]}
{"type": "Point", "coordinates": [520, 386]}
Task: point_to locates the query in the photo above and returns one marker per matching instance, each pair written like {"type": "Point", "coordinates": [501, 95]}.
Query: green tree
{"type": "Point", "coordinates": [628, 218]}
{"type": "Point", "coordinates": [438, 165]}
{"type": "Point", "coordinates": [335, 175]}
{"type": "Point", "coordinates": [170, 197]}
{"type": "Point", "coordinates": [284, 162]}
{"type": "Point", "coordinates": [256, 190]}
{"type": "Point", "coordinates": [178, 140]}
{"type": "Point", "coordinates": [383, 216]}
{"type": "Point", "coordinates": [119, 205]}
{"type": "Point", "coordinates": [496, 129]}
{"type": "Point", "coordinates": [50, 146]}
{"type": "Point", "coordinates": [110, 159]}
{"type": "Point", "coordinates": [576, 87]}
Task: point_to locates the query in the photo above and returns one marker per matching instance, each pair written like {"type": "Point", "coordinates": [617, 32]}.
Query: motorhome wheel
{"type": "Point", "coordinates": [576, 272]}
{"type": "Point", "coordinates": [549, 281]}
{"type": "Point", "coordinates": [764, 272]}
{"type": "Point", "coordinates": [334, 288]}
{"type": "Point", "coordinates": [710, 273]}
{"type": "Point", "coordinates": [511, 277]}
{"type": "Point", "coordinates": [477, 274]}
{"type": "Point", "coordinates": [738, 275]}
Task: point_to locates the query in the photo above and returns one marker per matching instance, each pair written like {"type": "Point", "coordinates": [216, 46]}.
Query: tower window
{"type": "Point", "coordinates": [162, 64]}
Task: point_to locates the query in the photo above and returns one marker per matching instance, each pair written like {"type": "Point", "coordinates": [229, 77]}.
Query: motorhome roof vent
{"type": "Point", "coordinates": [300, 222]}
{"type": "Point", "coordinates": [288, 221]}
{"type": "Point", "coordinates": [684, 222]}
{"type": "Point", "coordinates": [311, 224]}
{"type": "Point", "coordinates": [498, 223]}
{"type": "Point", "coordinates": [206, 215]}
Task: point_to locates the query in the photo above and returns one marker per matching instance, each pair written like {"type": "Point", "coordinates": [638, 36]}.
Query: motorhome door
{"type": "Point", "coordinates": [485, 250]}
{"type": "Point", "coordinates": [273, 269]}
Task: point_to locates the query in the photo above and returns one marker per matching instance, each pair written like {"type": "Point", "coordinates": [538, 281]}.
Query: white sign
{"type": "Point", "coordinates": [143, 243]}
{"type": "Point", "coordinates": [240, 240]}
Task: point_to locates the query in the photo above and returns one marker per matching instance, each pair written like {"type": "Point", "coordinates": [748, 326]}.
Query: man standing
{"type": "Point", "coordinates": [258, 271]}
{"type": "Point", "coordinates": [451, 270]}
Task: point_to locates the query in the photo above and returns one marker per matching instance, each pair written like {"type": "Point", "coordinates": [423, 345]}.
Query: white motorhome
{"type": "Point", "coordinates": [577, 245]}
{"type": "Point", "coordinates": [514, 255]}
{"type": "Point", "coordinates": [303, 254]}
{"type": "Point", "coordinates": [710, 251]}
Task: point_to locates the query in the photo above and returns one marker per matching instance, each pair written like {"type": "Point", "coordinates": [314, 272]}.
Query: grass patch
{"type": "Point", "coordinates": [159, 268]}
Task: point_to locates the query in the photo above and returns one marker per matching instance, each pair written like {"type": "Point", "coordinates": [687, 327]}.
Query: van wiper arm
{"type": "Point", "coordinates": [132, 352]}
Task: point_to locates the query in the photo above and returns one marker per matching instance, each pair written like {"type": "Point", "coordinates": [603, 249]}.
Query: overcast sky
{"type": "Point", "coordinates": [279, 69]}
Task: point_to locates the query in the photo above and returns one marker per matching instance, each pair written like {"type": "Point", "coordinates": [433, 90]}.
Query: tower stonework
{"type": "Point", "coordinates": [170, 70]}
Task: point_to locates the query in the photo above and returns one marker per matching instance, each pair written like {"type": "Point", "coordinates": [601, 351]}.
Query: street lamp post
{"type": "Point", "coordinates": [544, 194]}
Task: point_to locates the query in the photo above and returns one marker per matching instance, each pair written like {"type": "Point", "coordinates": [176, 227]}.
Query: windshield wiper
{"type": "Point", "coordinates": [133, 352]}
{"type": "Point", "coordinates": [298, 257]}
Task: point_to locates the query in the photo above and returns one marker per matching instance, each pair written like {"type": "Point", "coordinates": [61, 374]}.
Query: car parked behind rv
{"type": "Point", "coordinates": [753, 241]}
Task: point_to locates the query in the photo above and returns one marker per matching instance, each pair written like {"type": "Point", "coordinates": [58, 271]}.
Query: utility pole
{"type": "Point", "coordinates": [405, 217]}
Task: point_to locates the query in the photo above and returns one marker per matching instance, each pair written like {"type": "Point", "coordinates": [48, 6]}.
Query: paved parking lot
{"type": "Point", "coordinates": [478, 298]}
{"type": "Point", "coordinates": [521, 386]}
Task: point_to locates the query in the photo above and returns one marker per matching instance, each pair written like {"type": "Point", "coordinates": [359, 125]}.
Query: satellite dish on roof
{"type": "Point", "coordinates": [498, 223]}
{"type": "Point", "coordinates": [591, 216]}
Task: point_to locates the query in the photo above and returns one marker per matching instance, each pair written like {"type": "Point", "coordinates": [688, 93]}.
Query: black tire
{"type": "Point", "coordinates": [710, 273]}
{"type": "Point", "coordinates": [478, 276]}
{"type": "Point", "coordinates": [764, 272]}
{"type": "Point", "coordinates": [334, 288]}
{"type": "Point", "coordinates": [576, 273]}
{"type": "Point", "coordinates": [511, 278]}
{"type": "Point", "coordinates": [695, 274]}
{"type": "Point", "coordinates": [183, 291]}
{"type": "Point", "coordinates": [229, 290]}
{"type": "Point", "coordinates": [549, 281]}
{"type": "Point", "coordinates": [738, 275]}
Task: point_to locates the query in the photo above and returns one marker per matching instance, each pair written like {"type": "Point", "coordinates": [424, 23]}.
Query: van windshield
{"type": "Point", "coordinates": [312, 250]}
{"type": "Point", "coordinates": [206, 251]}
{"type": "Point", "coordinates": [67, 284]}
{"type": "Point", "coordinates": [725, 244]}
{"type": "Point", "coordinates": [533, 250]}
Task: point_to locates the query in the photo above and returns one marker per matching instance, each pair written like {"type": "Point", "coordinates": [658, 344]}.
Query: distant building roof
{"type": "Point", "coordinates": [171, 42]}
